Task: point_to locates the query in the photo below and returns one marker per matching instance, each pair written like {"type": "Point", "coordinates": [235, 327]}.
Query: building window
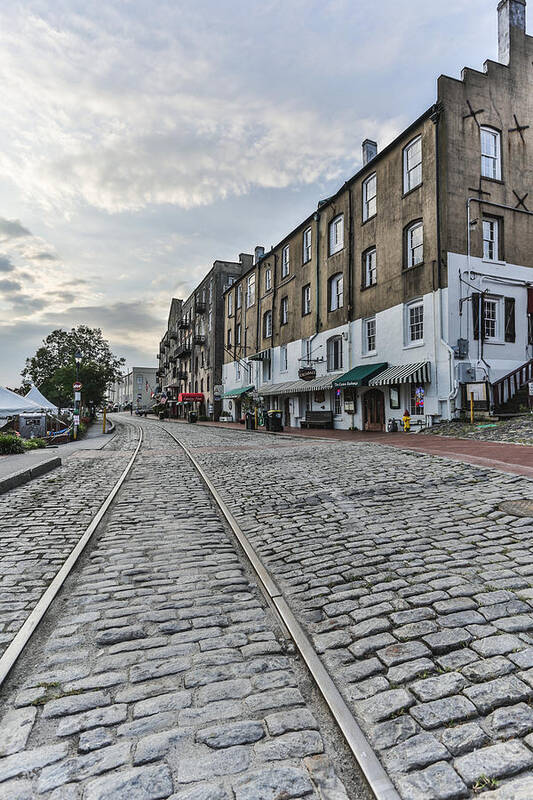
{"type": "Point", "coordinates": [306, 300]}
{"type": "Point", "coordinates": [230, 304]}
{"type": "Point", "coordinates": [336, 297]}
{"type": "Point", "coordinates": [211, 291]}
{"type": "Point", "coordinates": [267, 324]}
{"type": "Point", "coordinates": [237, 371]}
{"type": "Point", "coordinates": [238, 333]}
{"type": "Point", "coordinates": [283, 362]}
{"type": "Point", "coordinates": [337, 407]}
{"type": "Point", "coordinates": [369, 335]}
{"type": "Point", "coordinates": [491, 239]}
{"type": "Point", "coordinates": [202, 385]}
{"type": "Point", "coordinates": [306, 351]}
{"type": "Point", "coordinates": [334, 350]}
{"type": "Point", "coordinates": [490, 318]}
{"type": "Point", "coordinates": [307, 245]}
{"type": "Point", "coordinates": [208, 383]}
{"type": "Point", "coordinates": [370, 272]}
{"type": "Point", "coordinates": [491, 163]}
{"type": "Point", "coordinates": [210, 321]}
{"type": "Point", "coordinates": [229, 337]}
{"type": "Point", "coordinates": [369, 197]}
{"type": "Point", "coordinates": [336, 234]}
{"type": "Point", "coordinates": [239, 296]}
{"type": "Point", "coordinates": [415, 323]}
{"type": "Point", "coordinates": [266, 370]}
{"type": "Point", "coordinates": [268, 279]}
{"type": "Point", "coordinates": [250, 291]}
{"type": "Point", "coordinates": [415, 244]}
{"type": "Point", "coordinates": [285, 261]}
{"type": "Point", "coordinates": [416, 400]}
{"type": "Point", "coordinates": [412, 164]}
{"type": "Point", "coordinates": [284, 311]}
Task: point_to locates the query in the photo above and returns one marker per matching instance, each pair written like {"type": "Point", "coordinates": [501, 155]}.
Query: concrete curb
{"type": "Point", "coordinates": [26, 475]}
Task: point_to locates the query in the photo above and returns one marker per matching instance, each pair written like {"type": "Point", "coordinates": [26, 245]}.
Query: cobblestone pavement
{"type": "Point", "coordinates": [518, 430]}
{"type": "Point", "coordinates": [416, 590]}
{"type": "Point", "coordinates": [160, 674]}
{"type": "Point", "coordinates": [41, 522]}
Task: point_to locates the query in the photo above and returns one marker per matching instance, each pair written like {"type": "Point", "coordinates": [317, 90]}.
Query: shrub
{"type": "Point", "coordinates": [10, 444]}
{"type": "Point", "coordinates": [33, 444]}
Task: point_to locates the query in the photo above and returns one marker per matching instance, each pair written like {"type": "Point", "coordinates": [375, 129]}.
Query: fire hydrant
{"type": "Point", "coordinates": [406, 419]}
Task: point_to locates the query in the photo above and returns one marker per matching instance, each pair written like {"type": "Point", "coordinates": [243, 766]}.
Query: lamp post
{"type": "Point", "coordinates": [77, 394]}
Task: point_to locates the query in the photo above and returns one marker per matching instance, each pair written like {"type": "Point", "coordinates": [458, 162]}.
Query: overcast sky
{"type": "Point", "coordinates": [140, 140]}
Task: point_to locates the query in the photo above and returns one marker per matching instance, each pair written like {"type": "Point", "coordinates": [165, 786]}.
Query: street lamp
{"type": "Point", "coordinates": [77, 394]}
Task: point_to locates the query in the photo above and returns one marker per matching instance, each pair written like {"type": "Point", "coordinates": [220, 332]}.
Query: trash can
{"type": "Point", "coordinates": [273, 420]}
{"type": "Point", "coordinates": [161, 415]}
{"type": "Point", "coordinates": [193, 416]}
{"type": "Point", "coordinates": [250, 421]}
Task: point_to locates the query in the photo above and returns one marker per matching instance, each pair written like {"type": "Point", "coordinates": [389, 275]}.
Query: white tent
{"type": "Point", "coordinates": [12, 404]}
{"type": "Point", "coordinates": [39, 399]}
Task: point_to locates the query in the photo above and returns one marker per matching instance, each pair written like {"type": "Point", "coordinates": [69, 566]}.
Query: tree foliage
{"type": "Point", "coordinates": [53, 368]}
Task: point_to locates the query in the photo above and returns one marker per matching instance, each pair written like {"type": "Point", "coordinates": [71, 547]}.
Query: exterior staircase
{"type": "Point", "coordinates": [511, 391]}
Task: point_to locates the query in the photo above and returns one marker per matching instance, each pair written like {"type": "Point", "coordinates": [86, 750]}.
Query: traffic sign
{"type": "Point", "coordinates": [77, 386]}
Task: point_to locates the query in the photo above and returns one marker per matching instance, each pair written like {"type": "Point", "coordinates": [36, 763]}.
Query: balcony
{"type": "Point", "coordinates": [181, 375]}
{"type": "Point", "coordinates": [183, 351]}
{"type": "Point", "coordinates": [184, 324]}
{"type": "Point", "coordinates": [200, 307]}
{"type": "Point", "coordinates": [199, 339]}
{"type": "Point", "coordinates": [174, 335]}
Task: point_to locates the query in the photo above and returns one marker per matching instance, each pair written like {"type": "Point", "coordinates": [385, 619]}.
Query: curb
{"type": "Point", "coordinates": [26, 475]}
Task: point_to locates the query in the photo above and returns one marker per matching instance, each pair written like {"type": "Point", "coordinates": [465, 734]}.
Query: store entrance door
{"type": "Point", "coordinates": [287, 412]}
{"type": "Point", "coordinates": [374, 410]}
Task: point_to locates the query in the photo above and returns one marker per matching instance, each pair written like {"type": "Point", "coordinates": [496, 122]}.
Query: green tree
{"type": "Point", "coordinates": [53, 368]}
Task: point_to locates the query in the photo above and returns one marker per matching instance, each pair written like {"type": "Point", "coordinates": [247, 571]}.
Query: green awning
{"type": "Point", "coordinates": [359, 376]}
{"type": "Point", "coordinates": [237, 392]}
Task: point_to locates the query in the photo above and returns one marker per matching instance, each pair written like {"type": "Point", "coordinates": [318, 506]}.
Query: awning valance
{"type": "Point", "coordinates": [403, 373]}
{"type": "Point", "coordinates": [359, 376]}
{"type": "Point", "coordinates": [238, 392]}
{"type": "Point", "coordinates": [264, 355]}
{"type": "Point", "coordinates": [297, 387]}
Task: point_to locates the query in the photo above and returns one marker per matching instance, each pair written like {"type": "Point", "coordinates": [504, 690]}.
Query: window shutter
{"type": "Point", "coordinates": [510, 333]}
{"type": "Point", "coordinates": [475, 313]}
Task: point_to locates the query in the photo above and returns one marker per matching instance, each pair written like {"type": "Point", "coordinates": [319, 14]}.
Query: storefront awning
{"type": "Point", "coordinates": [238, 392]}
{"type": "Point", "coordinates": [297, 387]}
{"type": "Point", "coordinates": [404, 373]}
{"type": "Point", "coordinates": [264, 355]}
{"type": "Point", "coordinates": [359, 376]}
{"type": "Point", "coordinates": [190, 397]}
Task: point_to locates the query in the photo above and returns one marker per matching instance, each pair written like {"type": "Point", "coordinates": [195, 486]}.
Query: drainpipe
{"type": "Point", "coordinates": [317, 322]}
{"type": "Point", "coordinates": [350, 280]}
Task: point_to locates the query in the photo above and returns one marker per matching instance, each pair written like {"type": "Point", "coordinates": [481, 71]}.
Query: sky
{"type": "Point", "coordinates": [141, 140]}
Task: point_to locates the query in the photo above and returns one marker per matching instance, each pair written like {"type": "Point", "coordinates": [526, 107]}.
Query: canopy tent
{"type": "Point", "coordinates": [12, 404]}
{"type": "Point", "coordinates": [36, 397]}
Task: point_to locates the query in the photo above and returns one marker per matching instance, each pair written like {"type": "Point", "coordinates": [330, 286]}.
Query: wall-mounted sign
{"type": "Point", "coordinates": [307, 373]}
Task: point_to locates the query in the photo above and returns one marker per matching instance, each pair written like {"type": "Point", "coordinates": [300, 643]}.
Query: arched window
{"type": "Point", "coordinates": [334, 350]}
{"type": "Point", "coordinates": [336, 292]}
{"type": "Point", "coordinates": [336, 234]}
{"type": "Point", "coordinates": [267, 324]}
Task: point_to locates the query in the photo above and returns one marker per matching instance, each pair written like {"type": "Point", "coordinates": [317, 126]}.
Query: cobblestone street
{"type": "Point", "coordinates": [416, 589]}
{"type": "Point", "coordinates": [158, 671]}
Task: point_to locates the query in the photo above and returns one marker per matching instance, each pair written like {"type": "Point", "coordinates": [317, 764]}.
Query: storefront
{"type": "Point", "coordinates": [232, 402]}
{"type": "Point", "coordinates": [346, 389]}
{"type": "Point", "coordinates": [403, 387]}
{"type": "Point", "coordinates": [191, 401]}
{"type": "Point", "coordinates": [295, 398]}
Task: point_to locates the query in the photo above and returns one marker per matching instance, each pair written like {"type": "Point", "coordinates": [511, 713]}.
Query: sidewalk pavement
{"type": "Point", "coordinates": [514, 458]}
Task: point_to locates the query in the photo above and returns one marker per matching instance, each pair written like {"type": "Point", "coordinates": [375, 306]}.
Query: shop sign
{"type": "Point", "coordinates": [307, 373]}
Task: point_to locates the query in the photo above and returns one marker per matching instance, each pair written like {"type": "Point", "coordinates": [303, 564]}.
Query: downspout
{"type": "Point", "coordinates": [317, 322]}
{"type": "Point", "coordinates": [350, 280]}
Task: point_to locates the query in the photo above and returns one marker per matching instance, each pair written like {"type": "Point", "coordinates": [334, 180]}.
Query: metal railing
{"type": "Point", "coordinates": [505, 388]}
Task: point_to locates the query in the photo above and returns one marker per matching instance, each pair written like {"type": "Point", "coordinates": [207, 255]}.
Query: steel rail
{"type": "Point", "coordinates": [23, 636]}
{"type": "Point", "coordinates": [376, 777]}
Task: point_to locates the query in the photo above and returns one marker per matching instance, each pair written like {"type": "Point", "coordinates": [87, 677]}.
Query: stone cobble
{"type": "Point", "coordinates": [41, 522]}
{"type": "Point", "coordinates": [162, 674]}
{"type": "Point", "coordinates": [416, 590]}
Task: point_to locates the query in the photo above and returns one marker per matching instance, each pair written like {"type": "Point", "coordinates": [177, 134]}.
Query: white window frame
{"type": "Point", "coordinates": [334, 351]}
{"type": "Point", "coordinates": [238, 302]}
{"type": "Point", "coordinates": [267, 325]}
{"type": "Point", "coordinates": [238, 333]}
{"type": "Point", "coordinates": [491, 158]}
{"type": "Point", "coordinates": [229, 338]}
{"type": "Point", "coordinates": [495, 303]}
{"type": "Point", "coordinates": [284, 311]}
{"type": "Point", "coordinates": [370, 267]}
{"type": "Point", "coordinates": [268, 279]}
{"type": "Point", "coordinates": [412, 164]}
{"type": "Point", "coordinates": [237, 371]}
{"type": "Point", "coordinates": [283, 358]}
{"type": "Point", "coordinates": [306, 300]}
{"type": "Point", "coordinates": [414, 324]}
{"type": "Point", "coordinates": [491, 239]}
{"type": "Point", "coordinates": [370, 190]}
{"type": "Point", "coordinates": [250, 291]}
{"type": "Point", "coordinates": [369, 336]}
{"type": "Point", "coordinates": [285, 261]}
{"type": "Point", "coordinates": [336, 292]}
{"type": "Point", "coordinates": [230, 304]}
{"type": "Point", "coordinates": [307, 244]}
{"type": "Point", "coordinates": [307, 350]}
{"type": "Point", "coordinates": [266, 370]}
{"type": "Point", "coordinates": [415, 251]}
{"type": "Point", "coordinates": [336, 234]}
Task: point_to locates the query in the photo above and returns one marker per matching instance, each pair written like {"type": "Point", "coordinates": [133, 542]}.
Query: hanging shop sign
{"type": "Point", "coordinates": [307, 373]}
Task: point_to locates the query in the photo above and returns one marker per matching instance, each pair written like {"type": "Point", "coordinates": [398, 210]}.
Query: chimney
{"type": "Point", "coordinates": [246, 260]}
{"type": "Point", "coordinates": [370, 150]}
{"type": "Point", "coordinates": [259, 253]}
{"type": "Point", "coordinates": [511, 14]}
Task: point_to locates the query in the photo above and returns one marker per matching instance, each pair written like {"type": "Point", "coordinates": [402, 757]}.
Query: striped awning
{"type": "Point", "coordinates": [264, 355]}
{"type": "Point", "coordinates": [298, 387]}
{"type": "Point", "coordinates": [404, 373]}
{"type": "Point", "coordinates": [271, 389]}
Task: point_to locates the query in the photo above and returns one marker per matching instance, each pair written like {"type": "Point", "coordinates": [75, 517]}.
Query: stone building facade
{"type": "Point", "coordinates": [137, 387]}
{"type": "Point", "coordinates": [409, 288]}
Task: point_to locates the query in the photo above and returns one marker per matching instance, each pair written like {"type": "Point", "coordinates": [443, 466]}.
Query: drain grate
{"type": "Point", "coordinates": [519, 508]}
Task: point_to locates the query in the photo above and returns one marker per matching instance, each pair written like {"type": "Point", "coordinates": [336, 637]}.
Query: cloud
{"type": "Point", "coordinates": [12, 229]}
{"type": "Point", "coordinates": [8, 286]}
{"type": "Point", "coordinates": [6, 264]}
{"type": "Point", "coordinates": [43, 257]}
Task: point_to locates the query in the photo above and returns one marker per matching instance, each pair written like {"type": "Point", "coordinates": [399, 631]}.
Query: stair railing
{"type": "Point", "coordinates": [505, 388]}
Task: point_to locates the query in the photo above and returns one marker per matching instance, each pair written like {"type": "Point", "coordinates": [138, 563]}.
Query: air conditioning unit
{"type": "Point", "coordinates": [466, 373]}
